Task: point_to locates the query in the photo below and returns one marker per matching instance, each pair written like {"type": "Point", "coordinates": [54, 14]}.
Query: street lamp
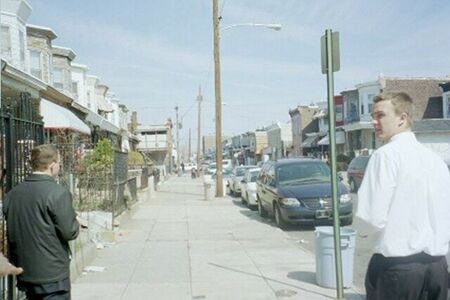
{"type": "Point", "coordinates": [218, 94]}
{"type": "Point", "coordinates": [276, 27]}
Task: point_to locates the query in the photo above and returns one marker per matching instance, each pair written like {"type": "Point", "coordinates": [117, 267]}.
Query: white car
{"type": "Point", "coordinates": [189, 166]}
{"type": "Point", "coordinates": [235, 181]}
{"type": "Point", "coordinates": [248, 188]}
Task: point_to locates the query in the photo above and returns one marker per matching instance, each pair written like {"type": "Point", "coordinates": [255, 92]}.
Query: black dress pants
{"type": "Point", "coordinates": [415, 277]}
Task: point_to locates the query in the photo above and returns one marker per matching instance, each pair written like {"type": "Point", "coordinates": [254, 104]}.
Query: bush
{"type": "Point", "coordinates": [101, 158]}
{"type": "Point", "coordinates": [135, 158]}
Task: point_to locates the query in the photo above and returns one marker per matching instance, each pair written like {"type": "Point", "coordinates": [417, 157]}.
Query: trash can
{"type": "Point", "coordinates": [208, 190]}
{"type": "Point", "coordinates": [325, 258]}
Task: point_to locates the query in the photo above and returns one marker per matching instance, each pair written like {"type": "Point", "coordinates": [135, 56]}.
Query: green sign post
{"type": "Point", "coordinates": [330, 64]}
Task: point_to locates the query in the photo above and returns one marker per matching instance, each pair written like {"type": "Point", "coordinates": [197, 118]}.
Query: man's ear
{"type": "Point", "coordinates": [403, 118]}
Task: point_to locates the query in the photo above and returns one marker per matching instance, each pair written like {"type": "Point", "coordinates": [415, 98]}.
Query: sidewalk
{"type": "Point", "coordinates": [178, 246]}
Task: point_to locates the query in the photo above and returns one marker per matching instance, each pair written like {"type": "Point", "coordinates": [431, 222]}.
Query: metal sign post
{"type": "Point", "coordinates": [330, 64]}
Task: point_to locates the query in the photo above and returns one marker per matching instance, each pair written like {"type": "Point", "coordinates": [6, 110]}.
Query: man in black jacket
{"type": "Point", "coordinates": [41, 220]}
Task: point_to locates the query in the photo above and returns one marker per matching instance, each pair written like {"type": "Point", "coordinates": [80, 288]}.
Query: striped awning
{"type": "Point", "coordinates": [58, 117]}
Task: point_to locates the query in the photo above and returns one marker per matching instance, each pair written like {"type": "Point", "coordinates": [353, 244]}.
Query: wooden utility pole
{"type": "Point", "coordinates": [189, 146]}
{"type": "Point", "coordinates": [216, 24]}
{"type": "Point", "coordinates": [199, 130]}
{"type": "Point", "coordinates": [178, 144]}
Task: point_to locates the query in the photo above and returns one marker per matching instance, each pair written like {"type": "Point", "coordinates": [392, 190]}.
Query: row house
{"type": "Point", "coordinates": [303, 123]}
{"type": "Point", "coordinates": [279, 140]}
{"type": "Point", "coordinates": [258, 142]}
{"type": "Point", "coordinates": [13, 33]}
{"type": "Point", "coordinates": [156, 143]}
{"type": "Point", "coordinates": [65, 89]}
{"type": "Point", "coordinates": [425, 92]}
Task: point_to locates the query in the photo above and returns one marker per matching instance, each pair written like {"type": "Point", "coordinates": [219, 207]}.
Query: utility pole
{"type": "Point", "coordinates": [199, 135]}
{"type": "Point", "coordinates": [216, 24]}
{"type": "Point", "coordinates": [178, 144]}
{"type": "Point", "coordinates": [189, 146]}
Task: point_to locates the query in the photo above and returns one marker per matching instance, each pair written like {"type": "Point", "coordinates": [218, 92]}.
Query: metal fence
{"type": "Point", "coordinates": [21, 129]}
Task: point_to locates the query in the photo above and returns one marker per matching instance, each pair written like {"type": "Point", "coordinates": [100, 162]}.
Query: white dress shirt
{"type": "Point", "coordinates": [405, 197]}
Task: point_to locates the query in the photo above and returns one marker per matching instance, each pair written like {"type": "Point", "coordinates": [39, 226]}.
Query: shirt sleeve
{"type": "Point", "coordinates": [64, 217]}
{"type": "Point", "coordinates": [377, 190]}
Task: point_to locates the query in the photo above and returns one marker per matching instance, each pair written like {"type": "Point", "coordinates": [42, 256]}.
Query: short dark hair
{"type": "Point", "coordinates": [42, 156]}
{"type": "Point", "coordinates": [401, 101]}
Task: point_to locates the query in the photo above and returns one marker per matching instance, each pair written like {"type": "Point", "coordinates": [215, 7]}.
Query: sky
{"type": "Point", "coordinates": [154, 55]}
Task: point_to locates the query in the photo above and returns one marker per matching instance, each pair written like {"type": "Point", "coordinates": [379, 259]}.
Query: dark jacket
{"type": "Point", "coordinates": [41, 220]}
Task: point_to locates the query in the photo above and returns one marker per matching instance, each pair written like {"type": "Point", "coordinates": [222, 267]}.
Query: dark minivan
{"type": "Point", "coordinates": [298, 191]}
{"type": "Point", "coordinates": [355, 171]}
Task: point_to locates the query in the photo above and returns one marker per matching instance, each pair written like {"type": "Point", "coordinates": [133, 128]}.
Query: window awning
{"type": "Point", "coordinates": [310, 141]}
{"type": "Point", "coordinates": [58, 117]}
{"type": "Point", "coordinates": [340, 138]}
{"type": "Point", "coordinates": [101, 122]}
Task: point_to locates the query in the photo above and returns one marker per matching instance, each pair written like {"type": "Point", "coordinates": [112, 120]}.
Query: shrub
{"type": "Point", "coordinates": [135, 158]}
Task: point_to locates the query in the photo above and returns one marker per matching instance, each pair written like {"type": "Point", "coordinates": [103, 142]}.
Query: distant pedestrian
{"type": "Point", "coordinates": [405, 197]}
{"type": "Point", "coordinates": [41, 220]}
{"type": "Point", "coordinates": [182, 167]}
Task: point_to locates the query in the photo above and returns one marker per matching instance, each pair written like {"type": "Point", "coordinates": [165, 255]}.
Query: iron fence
{"type": "Point", "coordinates": [21, 129]}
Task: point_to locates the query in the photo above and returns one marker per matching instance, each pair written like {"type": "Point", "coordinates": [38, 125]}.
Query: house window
{"type": "Point", "coordinates": [370, 101]}
{"type": "Point", "coordinates": [6, 43]}
{"type": "Point", "coordinates": [362, 109]}
{"type": "Point", "coordinates": [89, 100]}
{"type": "Point", "coordinates": [75, 89]}
{"type": "Point", "coordinates": [22, 49]}
{"type": "Point", "coordinates": [58, 78]}
{"type": "Point", "coordinates": [35, 64]}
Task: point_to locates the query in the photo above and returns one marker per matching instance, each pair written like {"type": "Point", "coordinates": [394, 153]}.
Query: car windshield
{"type": "Point", "coordinates": [303, 173]}
{"type": "Point", "coordinates": [240, 171]}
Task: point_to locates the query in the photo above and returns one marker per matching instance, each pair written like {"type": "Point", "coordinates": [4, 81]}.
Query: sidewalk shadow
{"type": "Point", "coordinates": [310, 277]}
{"type": "Point", "coordinates": [181, 193]}
{"type": "Point", "coordinates": [305, 276]}
{"type": "Point", "coordinates": [253, 214]}
{"type": "Point", "coordinates": [287, 284]}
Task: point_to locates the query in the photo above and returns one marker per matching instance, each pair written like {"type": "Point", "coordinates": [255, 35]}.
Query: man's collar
{"type": "Point", "coordinates": [403, 135]}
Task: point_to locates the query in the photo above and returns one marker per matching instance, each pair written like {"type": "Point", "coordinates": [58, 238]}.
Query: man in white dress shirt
{"type": "Point", "coordinates": [405, 197]}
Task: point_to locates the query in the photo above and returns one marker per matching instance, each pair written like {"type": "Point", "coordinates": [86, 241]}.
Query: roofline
{"type": "Point", "coordinates": [68, 51]}
{"type": "Point", "coordinates": [46, 30]}
{"type": "Point", "coordinates": [80, 66]}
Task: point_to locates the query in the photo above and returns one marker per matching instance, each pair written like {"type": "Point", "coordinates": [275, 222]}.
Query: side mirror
{"type": "Point", "coordinates": [243, 181]}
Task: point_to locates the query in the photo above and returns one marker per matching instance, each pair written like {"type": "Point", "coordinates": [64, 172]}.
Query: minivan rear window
{"type": "Point", "coordinates": [304, 172]}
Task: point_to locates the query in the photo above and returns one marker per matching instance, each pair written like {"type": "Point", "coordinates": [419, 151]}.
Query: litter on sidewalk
{"type": "Point", "coordinates": [94, 269]}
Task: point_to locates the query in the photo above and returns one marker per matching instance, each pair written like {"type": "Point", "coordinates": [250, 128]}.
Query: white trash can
{"type": "Point", "coordinates": [325, 258]}
{"type": "Point", "coordinates": [208, 190]}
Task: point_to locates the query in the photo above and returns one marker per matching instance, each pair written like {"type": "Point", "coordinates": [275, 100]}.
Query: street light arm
{"type": "Point", "coordinates": [275, 27]}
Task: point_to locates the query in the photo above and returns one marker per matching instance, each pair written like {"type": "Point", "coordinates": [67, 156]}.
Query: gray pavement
{"type": "Point", "coordinates": [179, 246]}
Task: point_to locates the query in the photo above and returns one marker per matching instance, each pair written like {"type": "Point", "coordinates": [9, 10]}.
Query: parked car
{"type": "Point", "coordinates": [226, 175]}
{"type": "Point", "coordinates": [189, 166]}
{"type": "Point", "coordinates": [355, 172]}
{"type": "Point", "coordinates": [234, 183]}
{"type": "Point", "coordinates": [212, 168]}
{"type": "Point", "coordinates": [298, 191]}
{"type": "Point", "coordinates": [248, 187]}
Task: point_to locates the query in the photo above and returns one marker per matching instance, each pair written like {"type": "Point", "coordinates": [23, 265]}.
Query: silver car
{"type": "Point", "coordinates": [234, 183]}
{"type": "Point", "coordinates": [248, 188]}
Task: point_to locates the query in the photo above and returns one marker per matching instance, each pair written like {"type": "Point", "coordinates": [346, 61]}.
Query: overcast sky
{"type": "Point", "coordinates": [155, 54]}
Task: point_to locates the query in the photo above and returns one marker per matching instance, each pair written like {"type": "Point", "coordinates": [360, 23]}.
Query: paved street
{"type": "Point", "coordinates": [179, 246]}
{"type": "Point", "coordinates": [304, 236]}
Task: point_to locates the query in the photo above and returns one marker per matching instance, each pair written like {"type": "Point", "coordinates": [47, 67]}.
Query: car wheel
{"type": "Point", "coordinates": [347, 222]}
{"type": "Point", "coordinates": [352, 184]}
{"type": "Point", "coordinates": [243, 200]}
{"type": "Point", "coordinates": [279, 219]}
{"type": "Point", "coordinates": [262, 212]}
